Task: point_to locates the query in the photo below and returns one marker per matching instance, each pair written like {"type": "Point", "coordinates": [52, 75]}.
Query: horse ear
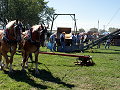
{"type": "Point", "coordinates": [42, 27]}
{"type": "Point", "coordinates": [23, 29]}
{"type": "Point", "coordinates": [39, 29]}
{"type": "Point", "coordinates": [47, 26]}
{"type": "Point", "coordinates": [31, 29]}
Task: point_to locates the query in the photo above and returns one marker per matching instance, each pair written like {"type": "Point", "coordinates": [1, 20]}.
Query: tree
{"type": "Point", "coordinates": [3, 10]}
{"type": "Point", "coordinates": [28, 11]}
{"type": "Point", "coordinates": [81, 30]}
{"type": "Point", "coordinates": [112, 29]}
{"type": "Point", "coordinates": [94, 30]}
{"type": "Point", "coordinates": [101, 31]}
{"type": "Point", "coordinates": [46, 15]}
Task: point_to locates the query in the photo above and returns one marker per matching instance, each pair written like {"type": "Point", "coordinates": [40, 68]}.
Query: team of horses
{"type": "Point", "coordinates": [12, 36]}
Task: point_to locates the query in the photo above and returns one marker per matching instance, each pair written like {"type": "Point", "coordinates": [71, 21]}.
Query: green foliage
{"type": "Point", "coordinates": [112, 29]}
{"type": "Point", "coordinates": [81, 30]}
{"type": "Point", "coordinates": [46, 15]}
{"type": "Point", "coordinates": [94, 30]}
{"type": "Point", "coordinates": [28, 11]}
{"type": "Point", "coordinates": [59, 72]}
{"type": "Point", "coordinates": [101, 31]}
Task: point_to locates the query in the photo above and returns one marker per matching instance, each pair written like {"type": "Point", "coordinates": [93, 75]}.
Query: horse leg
{"type": "Point", "coordinates": [30, 56]}
{"type": "Point", "coordinates": [6, 59]}
{"type": "Point", "coordinates": [26, 63]}
{"type": "Point", "coordinates": [11, 61]}
{"type": "Point", "coordinates": [36, 62]}
{"type": "Point", "coordinates": [25, 58]}
{"type": "Point", "coordinates": [0, 61]}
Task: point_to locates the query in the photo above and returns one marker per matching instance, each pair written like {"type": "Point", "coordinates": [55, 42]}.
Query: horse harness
{"type": "Point", "coordinates": [33, 42]}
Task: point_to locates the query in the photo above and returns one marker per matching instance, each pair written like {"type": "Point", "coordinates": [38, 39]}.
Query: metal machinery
{"type": "Point", "coordinates": [96, 42]}
{"type": "Point", "coordinates": [68, 35]}
{"type": "Point", "coordinates": [68, 38]}
{"type": "Point", "coordinates": [69, 47]}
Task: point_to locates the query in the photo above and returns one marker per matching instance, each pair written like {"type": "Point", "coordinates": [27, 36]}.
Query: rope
{"type": "Point", "coordinates": [113, 16]}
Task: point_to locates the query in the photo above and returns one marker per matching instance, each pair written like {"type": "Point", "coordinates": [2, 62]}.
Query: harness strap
{"type": "Point", "coordinates": [36, 49]}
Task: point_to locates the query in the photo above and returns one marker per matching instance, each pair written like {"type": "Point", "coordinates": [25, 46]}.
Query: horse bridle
{"type": "Point", "coordinates": [17, 31]}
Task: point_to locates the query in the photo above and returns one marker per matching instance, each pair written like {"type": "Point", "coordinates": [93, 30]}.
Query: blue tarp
{"type": "Point", "coordinates": [49, 45]}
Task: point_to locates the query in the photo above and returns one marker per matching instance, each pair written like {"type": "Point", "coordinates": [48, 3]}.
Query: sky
{"type": "Point", "coordinates": [87, 13]}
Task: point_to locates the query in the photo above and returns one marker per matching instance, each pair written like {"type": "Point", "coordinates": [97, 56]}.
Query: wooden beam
{"type": "Point", "coordinates": [71, 55]}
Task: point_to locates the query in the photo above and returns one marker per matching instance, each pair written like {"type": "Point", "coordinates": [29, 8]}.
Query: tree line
{"type": "Point", "coordinates": [27, 11]}
{"type": "Point", "coordinates": [32, 12]}
{"type": "Point", "coordinates": [95, 30]}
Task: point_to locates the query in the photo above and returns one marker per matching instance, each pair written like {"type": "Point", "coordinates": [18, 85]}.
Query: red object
{"type": "Point", "coordinates": [71, 55]}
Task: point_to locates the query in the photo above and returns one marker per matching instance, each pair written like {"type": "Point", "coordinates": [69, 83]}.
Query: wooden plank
{"type": "Point", "coordinates": [71, 55]}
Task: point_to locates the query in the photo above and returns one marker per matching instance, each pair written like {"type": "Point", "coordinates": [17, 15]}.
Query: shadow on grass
{"type": "Point", "coordinates": [23, 77]}
{"type": "Point", "coordinates": [110, 49]}
{"type": "Point", "coordinates": [108, 52]}
{"type": "Point", "coordinates": [47, 76]}
{"type": "Point", "coordinates": [105, 52]}
{"type": "Point", "coordinates": [59, 65]}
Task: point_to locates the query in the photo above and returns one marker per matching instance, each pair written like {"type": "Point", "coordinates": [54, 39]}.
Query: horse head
{"type": "Point", "coordinates": [10, 37]}
{"type": "Point", "coordinates": [13, 31]}
{"type": "Point", "coordinates": [18, 31]}
{"type": "Point", "coordinates": [43, 35]}
{"type": "Point", "coordinates": [36, 32]}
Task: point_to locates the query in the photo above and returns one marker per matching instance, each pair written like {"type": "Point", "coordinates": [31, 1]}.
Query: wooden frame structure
{"type": "Point", "coordinates": [72, 16]}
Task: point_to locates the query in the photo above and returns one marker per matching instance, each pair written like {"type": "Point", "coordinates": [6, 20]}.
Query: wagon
{"type": "Point", "coordinates": [68, 40]}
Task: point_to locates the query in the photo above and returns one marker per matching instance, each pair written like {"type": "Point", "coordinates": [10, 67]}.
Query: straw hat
{"type": "Point", "coordinates": [63, 32]}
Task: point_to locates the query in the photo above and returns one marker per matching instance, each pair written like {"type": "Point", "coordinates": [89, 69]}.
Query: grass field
{"type": "Point", "coordinates": [60, 73]}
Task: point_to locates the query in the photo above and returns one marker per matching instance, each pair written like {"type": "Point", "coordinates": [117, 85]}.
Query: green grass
{"type": "Point", "coordinates": [59, 72]}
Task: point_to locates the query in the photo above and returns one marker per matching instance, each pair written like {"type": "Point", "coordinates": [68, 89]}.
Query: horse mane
{"type": "Point", "coordinates": [10, 24]}
{"type": "Point", "coordinates": [35, 27]}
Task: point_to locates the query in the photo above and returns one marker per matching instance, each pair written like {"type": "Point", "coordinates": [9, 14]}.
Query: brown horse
{"type": "Point", "coordinates": [8, 42]}
{"type": "Point", "coordinates": [32, 45]}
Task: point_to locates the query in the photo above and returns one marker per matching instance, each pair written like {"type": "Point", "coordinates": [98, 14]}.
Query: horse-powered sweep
{"type": "Point", "coordinates": [29, 42]}
{"type": "Point", "coordinates": [8, 43]}
{"type": "Point", "coordinates": [32, 45]}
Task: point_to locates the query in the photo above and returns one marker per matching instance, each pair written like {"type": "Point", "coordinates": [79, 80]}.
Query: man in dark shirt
{"type": "Point", "coordinates": [62, 41]}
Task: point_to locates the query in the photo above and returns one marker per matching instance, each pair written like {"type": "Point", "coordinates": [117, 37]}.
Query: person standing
{"type": "Point", "coordinates": [53, 42]}
{"type": "Point", "coordinates": [107, 44]}
{"type": "Point", "coordinates": [73, 39]}
{"type": "Point", "coordinates": [97, 37]}
{"type": "Point", "coordinates": [62, 41]}
{"type": "Point", "coordinates": [82, 38]}
{"type": "Point", "coordinates": [78, 37]}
